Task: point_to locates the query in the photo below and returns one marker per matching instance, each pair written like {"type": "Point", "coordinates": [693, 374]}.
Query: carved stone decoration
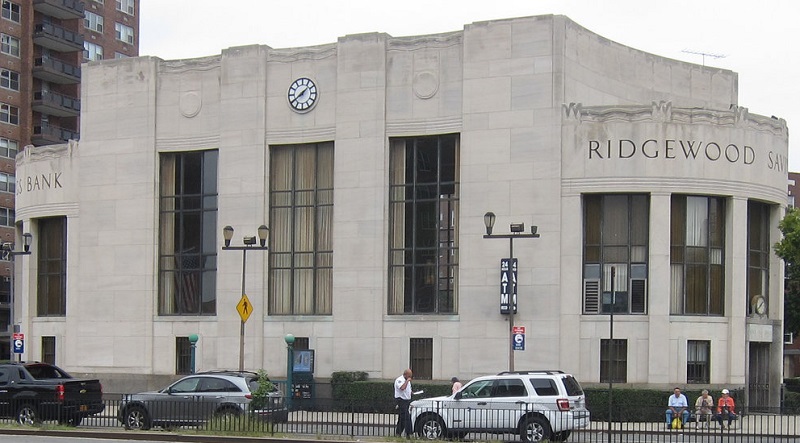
{"type": "Point", "coordinates": [425, 84]}
{"type": "Point", "coordinates": [190, 104]}
{"type": "Point", "coordinates": [662, 111]}
{"type": "Point", "coordinates": [572, 110]}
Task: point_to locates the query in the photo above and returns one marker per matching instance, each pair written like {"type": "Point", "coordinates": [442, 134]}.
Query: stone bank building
{"type": "Point", "coordinates": [372, 161]}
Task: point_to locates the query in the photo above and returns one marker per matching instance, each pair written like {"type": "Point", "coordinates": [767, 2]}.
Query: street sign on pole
{"type": "Point", "coordinates": [508, 286]}
{"type": "Point", "coordinates": [18, 340]}
{"type": "Point", "coordinates": [244, 308]}
{"type": "Point", "coordinates": [518, 338]}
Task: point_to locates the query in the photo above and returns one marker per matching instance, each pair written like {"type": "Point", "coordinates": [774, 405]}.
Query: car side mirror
{"type": "Point", "coordinates": [458, 395]}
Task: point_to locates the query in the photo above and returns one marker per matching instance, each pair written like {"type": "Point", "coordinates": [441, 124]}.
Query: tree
{"type": "Point", "coordinates": [789, 250]}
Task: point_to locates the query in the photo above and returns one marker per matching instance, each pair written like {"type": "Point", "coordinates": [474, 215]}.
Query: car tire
{"type": "Point", "coordinates": [73, 421]}
{"type": "Point", "coordinates": [27, 415]}
{"type": "Point", "coordinates": [227, 412]}
{"type": "Point", "coordinates": [137, 418]}
{"type": "Point", "coordinates": [561, 436]}
{"type": "Point", "coordinates": [534, 429]}
{"type": "Point", "coordinates": [430, 427]}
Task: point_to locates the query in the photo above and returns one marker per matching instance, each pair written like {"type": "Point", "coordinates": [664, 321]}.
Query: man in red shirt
{"type": "Point", "coordinates": [725, 409]}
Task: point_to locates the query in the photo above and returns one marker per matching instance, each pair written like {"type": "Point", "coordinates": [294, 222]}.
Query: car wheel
{"type": "Point", "coordinates": [27, 416]}
{"type": "Point", "coordinates": [227, 412]}
{"type": "Point", "coordinates": [70, 421]}
{"type": "Point", "coordinates": [137, 418]}
{"type": "Point", "coordinates": [534, 429]}
{"type": "Point", "coordinates": [430, 427]}
{"type": "Point", "coordinates": [561, 436]}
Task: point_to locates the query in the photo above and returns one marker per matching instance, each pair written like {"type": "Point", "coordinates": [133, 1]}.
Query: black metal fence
{"type": "Point", "coordinates": [348, 419]}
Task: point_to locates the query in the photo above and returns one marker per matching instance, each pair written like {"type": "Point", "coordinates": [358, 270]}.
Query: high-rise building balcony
{"type": "Point", "coordinates": [56, 71]}
{"type": "Point", "coordinates": [46, 134]}
{"type": "Point", "coordinates": [57, 38]}
{"type": "Point", "coordinates": [63, 9]}
{"type": "Point", "coordinates": [52, 103]}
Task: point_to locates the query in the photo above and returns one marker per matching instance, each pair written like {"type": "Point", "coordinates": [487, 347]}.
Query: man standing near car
{"type": "Point", "coordinates": [402, 396]}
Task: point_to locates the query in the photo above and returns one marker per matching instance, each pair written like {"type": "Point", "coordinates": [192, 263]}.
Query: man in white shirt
{"type": "Point", "coordinates": [678, 407]}
{"type": "Point", "coordinates": [402, 395]}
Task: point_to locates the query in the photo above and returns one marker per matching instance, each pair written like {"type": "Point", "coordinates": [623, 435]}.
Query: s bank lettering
{"type": "Point", "coordinates": [39, 182]}
{"type": "Point", "coordinates": [683, 149]}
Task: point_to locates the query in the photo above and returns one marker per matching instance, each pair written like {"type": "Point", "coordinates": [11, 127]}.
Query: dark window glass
{"type": "Point", "coordinates": [423, 217]}
{"type": "Point", "coordinates": [614, 361]}
{"type": "Point", "coordinates": [49, 350]}
{"type": "Point", "coordinates": [51, 290]}
{"type": "Point", "coordinates": [421, 353]}
{"type": "Point", "coordinates": [698, 359]}
{"type": "Point", "coordinates": [615, 232]}
{"type": "Point", "coordinates": [183, 356]}
{"type": "Point", "coordinates": [758, 252]}
{"type": "Point", "coordinates": [188, 233]}
{"type": "Point", "coordinates": [544, 386]}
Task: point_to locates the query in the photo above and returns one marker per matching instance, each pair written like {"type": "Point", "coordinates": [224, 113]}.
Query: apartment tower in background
{"type": "Point", "coordinates": [43, 44]}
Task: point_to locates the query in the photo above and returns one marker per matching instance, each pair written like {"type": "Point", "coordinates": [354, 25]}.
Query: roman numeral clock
{"type": "Point", "coordinates": [302, 94]}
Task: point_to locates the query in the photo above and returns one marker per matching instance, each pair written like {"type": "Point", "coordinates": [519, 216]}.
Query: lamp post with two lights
{"type": "Point", "coordinates": [508, 270]}
{"type": "Point", "coordinates": [244, 306]}
{"type": "Point", "coordinates": [9, 254]}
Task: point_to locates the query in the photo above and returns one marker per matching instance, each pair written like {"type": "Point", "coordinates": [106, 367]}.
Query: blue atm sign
{"type": "Point", "coordinates": [508, 286]}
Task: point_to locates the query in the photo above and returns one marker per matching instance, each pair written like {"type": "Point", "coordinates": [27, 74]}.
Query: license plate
{"type": "Point", "coordinates": [84, 408]}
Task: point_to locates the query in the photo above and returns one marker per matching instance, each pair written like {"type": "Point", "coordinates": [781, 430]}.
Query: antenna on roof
{"type": "Point", "coordinates": [704, 54]}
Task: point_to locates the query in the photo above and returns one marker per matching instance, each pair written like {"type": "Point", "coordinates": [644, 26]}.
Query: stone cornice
{"type": "Point", "coordinates": [663, 111]}
{"type": "Point", "coordinates": [190, 64]}
{"type": "Point", "coordinates": [37, 153]}
{"type": "Point", "coordinates": [425, 41]}
{"type": "Point", "coordinates": [296, 54]}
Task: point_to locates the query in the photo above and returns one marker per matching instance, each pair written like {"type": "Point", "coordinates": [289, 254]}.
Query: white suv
{"type": "Point", "coordinates": [537, 405]}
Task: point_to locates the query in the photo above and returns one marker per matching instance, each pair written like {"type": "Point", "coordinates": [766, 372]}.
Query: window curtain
{"type": "Point", "coordinates": [301, 215]}
{"type": "Point", "coordinates": [324, 230]}
{"type": "Point", "coordinates": [280, 281]}
{"type": "Point", "coordinates": [696, 221]}
{"type": "Point", "coordinates": [168, 265]}
{"type": "Point", "coordinates": [397, 218]}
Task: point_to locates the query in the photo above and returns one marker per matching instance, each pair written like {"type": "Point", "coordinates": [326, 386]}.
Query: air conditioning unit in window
{"type": "Point", "coordinates": [788, 338]}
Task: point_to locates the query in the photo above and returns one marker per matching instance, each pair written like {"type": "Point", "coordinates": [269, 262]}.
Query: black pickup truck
{"type": "Point", "coordinates": [33, 392]}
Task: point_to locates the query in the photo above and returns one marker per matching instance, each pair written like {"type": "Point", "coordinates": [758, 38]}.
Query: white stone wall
{"type": "Point", "coordinates": [527, 97]}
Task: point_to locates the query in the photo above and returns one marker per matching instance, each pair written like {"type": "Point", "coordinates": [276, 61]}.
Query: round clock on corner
{"type": "Point", "coordinates": [303, 94]}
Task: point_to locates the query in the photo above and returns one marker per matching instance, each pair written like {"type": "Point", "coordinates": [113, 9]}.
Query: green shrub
{"type": "Point", "coordinates": [261, 395]}
{"type": "Point", "coordinates": [639, 405]}
{"type": "Point", "coordinates": [791, 402]}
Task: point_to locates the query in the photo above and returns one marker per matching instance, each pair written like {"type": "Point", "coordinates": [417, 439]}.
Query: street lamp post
{"type": "Point", "coordinates": [249, 243]}
{"type": "Point", "coordinates": [9, 254]}
{"type": "Point", "coordinates": [517, 231]}
{"type": "Point", "coordinates": [192, 351]}
{"type": "Point", "coordinates": [289, 338]}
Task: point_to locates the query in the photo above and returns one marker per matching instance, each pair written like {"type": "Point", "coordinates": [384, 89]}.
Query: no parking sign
{"type": "Point", "coordinates": [18, 340]}
{"type": "Point", "coordinates": [518, 338]}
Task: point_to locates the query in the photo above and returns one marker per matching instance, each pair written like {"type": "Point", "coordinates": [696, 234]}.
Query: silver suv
{"type": "Point", "coordinates": [537, 405]}
{"type": "Point", "coordinates": [197, 398]}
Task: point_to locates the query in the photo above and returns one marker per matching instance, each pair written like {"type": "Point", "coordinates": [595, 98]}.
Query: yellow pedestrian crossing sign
{"type": "Point", "coordinates": [245, 308]}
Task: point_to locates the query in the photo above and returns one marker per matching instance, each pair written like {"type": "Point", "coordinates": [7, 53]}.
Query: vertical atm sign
{"type": "Point", "coordinates": [508, 286]}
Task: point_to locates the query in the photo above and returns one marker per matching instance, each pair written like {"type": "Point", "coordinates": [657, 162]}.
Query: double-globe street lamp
{"type": "Point", "coordinates": [9, 254]}
{"type": "Point", "coordinates": [249, 244]}
{"type": "Point", "coordinates": [508, 279]}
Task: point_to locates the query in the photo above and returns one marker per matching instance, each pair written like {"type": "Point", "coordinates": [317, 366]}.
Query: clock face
{"type": "Point", "coordinates": [302, 94]}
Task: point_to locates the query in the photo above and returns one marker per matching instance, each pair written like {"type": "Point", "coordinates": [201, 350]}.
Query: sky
{"type": "Point", "coordinates": [757, 39]}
